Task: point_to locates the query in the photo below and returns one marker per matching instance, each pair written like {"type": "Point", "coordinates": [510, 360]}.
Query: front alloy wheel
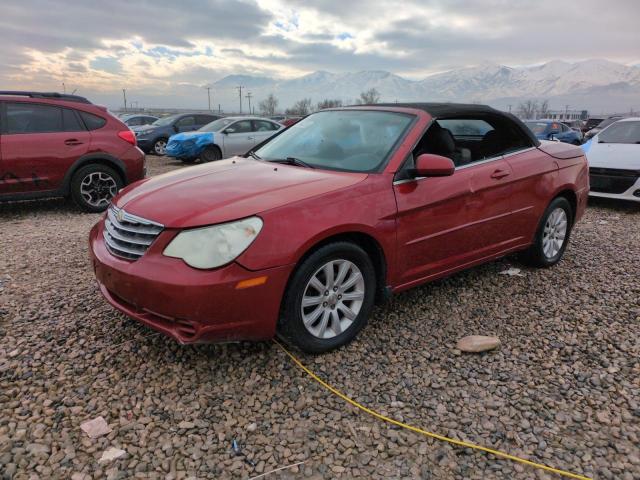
{"type": "Point", "coordinates": [329, 298]}
{"type": "Point", "coordinates": [333, 298]}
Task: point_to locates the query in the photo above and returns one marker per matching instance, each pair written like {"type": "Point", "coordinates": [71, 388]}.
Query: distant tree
{"type": "Point", "coordinates": [528, 109]}
{"type": "Point", "coordinates": [301, 107]}
{"type": "Point", "coordinates": [543, 110]}
{"type": "Point", "coordinates": [326, 103]}
{"type": "Point", "coordinates": [269, 105]}
{"type": "Point", "coordinates": [369, 97]}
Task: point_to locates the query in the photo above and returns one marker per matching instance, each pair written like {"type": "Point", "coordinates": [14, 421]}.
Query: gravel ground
{"type": "Point", "coordinates": [562, 390]}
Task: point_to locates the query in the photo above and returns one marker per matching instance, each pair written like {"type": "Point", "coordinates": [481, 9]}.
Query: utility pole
{"type": "Point", "coordinates": [64, 88]}
{"type": "Point", "coordinates": [509, 108]}
{"type": "Point", "coordinates": [566, 112]}
{"type": "Point", "coordinates": [124, 95]}
{"type": "Point", "coordinates": [239, 88]}
{"type": "Point", "coordinates": [209, 96]}
{"type": "Point", "coordinates": [249, 95]}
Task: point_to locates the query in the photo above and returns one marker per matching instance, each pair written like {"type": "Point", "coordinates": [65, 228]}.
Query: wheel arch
{"type": "Point", "coordinates": [91, 159]}
{"type": "Point", "coordinates": [572, 198]}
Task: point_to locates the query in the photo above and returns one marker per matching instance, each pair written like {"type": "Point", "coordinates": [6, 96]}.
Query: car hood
{"type": "Point", "coordinates": [227, 190]}
{"type": "Point", "coordinates": [612, 155]}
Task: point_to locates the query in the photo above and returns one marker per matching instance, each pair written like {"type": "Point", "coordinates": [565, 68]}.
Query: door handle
{"type": "Point", "coordinates": [498, 174]}
{"type": "Point", "coordinates": [72, 142]}
{"type": "Point", "coordinates": [251, 138]}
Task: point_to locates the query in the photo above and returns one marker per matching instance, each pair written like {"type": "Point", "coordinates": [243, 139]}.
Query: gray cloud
{"type": "Point", "coordinates": [426, 39]}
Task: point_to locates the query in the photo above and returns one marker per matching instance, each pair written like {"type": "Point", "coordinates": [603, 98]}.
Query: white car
{"type": "Point", "coordinates": [614, 161]}
{"type": "Point", "coordinates": [221, 138]}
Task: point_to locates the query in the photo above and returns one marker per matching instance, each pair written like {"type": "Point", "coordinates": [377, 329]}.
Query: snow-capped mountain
{"type": "Point", "coordinates": [597, 85]}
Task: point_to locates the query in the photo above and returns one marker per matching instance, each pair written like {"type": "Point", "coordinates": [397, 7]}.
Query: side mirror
{"type": "Point", "coordinates": [176, 128]}
{"type": "Point", "coordinates": [430, 165]}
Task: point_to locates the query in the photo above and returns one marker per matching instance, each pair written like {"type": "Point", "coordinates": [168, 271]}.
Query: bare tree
{"type": "Point", "coordinates": [527, 109]}
{"type": "Point", "coordinates": [369, 97]}
{"type": "Point", "coordinates": [269, 105]}
{"type": "Point", "coordinates": [543, 110]}
{"type": "Point", "coordinates": [301, 107]}
{"type": "Point", "coordinates": [326, 103]}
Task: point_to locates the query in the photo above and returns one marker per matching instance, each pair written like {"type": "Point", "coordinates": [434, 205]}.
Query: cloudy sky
{"type": "Point", "coordinates": [159, 47]}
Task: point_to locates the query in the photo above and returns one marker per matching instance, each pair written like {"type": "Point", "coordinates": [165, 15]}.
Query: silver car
{"type": "Point", "coordinates": [221, 138]}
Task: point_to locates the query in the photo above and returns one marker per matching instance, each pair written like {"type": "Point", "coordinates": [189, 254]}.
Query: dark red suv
{"type": "Point", "coordinates": [55, 145]}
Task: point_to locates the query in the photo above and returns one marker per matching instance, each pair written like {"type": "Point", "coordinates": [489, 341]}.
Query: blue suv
{"type": "Point", "coordinates": [153, 138]}
{"type": "Point", "coordinates": [553, 130]}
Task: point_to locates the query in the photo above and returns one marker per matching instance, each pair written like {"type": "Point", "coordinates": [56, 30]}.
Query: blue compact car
{"type": "Point", "coordinates": [222, 138]}
{"type": "Point", "coordinates": [553, 130]}
{"type": "Point", "coordinates": [153, 138]}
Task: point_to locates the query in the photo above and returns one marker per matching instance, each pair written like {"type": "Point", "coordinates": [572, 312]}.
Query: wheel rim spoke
{"type": "Point", "coordinates": [555, 233]}
{"type": "Point", "coordinates": [332, 299]}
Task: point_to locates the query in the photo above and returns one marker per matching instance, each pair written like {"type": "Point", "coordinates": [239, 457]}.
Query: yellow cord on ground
{"type": "Point", "coordinates": [442, 438]}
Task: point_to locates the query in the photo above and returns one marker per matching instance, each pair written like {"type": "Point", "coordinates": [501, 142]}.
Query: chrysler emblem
{"type": "Point", "coordinates": [120, 215]}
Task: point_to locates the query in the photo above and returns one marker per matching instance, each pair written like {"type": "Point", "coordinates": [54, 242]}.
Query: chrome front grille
{"type": "Point", "coordinates": [128, 236]}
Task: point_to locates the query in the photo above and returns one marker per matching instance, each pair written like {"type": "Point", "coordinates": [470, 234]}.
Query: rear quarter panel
{"type": "Point", "coordinates": [539, 177]}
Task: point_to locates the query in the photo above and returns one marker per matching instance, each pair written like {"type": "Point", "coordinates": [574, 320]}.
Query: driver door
{"type": "Point", "coordinates": [238, 138]}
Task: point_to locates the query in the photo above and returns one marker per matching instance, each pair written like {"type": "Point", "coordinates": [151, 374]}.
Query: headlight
{"type": "Point", "coordinates": [211, 247]}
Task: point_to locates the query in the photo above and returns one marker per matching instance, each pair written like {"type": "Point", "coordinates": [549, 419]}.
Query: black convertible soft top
{"type": "Point", "coordinates": [460, 110]}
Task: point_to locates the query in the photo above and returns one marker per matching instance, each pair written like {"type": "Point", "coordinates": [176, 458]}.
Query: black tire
{"type": "Point", "coordinates": [188, 160]}
{"type": "Point", "coordinates": [210, 154]}
{"type": "Point", "coordinates": [290, 326]}
{"type": "Point", "coordinates": [535, 256]}
{"type": "Point", "coordinates": [159, 146]}
{"type": "Point", "coordinates": [105, 184]}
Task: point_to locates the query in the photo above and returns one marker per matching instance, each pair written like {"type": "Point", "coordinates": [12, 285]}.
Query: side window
{"type": "Point", "coordinates": [70, 121]}
{"type": "Point", "coordinates": [186, 122]}
{"type": "Point", "coordinates": [204, 119]}
{"type": "Point", "coordinates": [264, 126]}
{"type": "Point", "coordinates": [243, 126]}
{"type": "Point", "coordinates": [33, 118]}
{"type": "Point", "coordinates": [134, 122]}
{"type": "Point", "coordinates": [466, 127]}
{"type": "Point", "coordinates": [472, 139]}
{"type": "Point", "coordinates": [93, 122]}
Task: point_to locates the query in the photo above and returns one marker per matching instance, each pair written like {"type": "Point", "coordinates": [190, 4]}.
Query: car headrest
{"type": "Point", "coordinates": [440, 141]}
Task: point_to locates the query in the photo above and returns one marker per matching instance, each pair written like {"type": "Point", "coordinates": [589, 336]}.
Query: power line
{"type": "Point", "coordinates": [239, 88]}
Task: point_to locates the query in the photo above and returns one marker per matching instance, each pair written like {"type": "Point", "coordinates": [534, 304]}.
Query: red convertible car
{"type": "Point", "coordinates": [300, 237]}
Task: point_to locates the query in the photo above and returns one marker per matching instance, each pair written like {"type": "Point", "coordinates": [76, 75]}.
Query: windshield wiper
{"type": "Point", "coordinates": [292, 161]}
{"type": "Point", "coordinates": [255, 155]}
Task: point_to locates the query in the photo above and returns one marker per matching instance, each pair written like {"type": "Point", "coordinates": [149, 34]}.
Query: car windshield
{"type": "Point", "coordinates": [537, 127]}
{"type": "Point", "coordinates": [349, 140]}
{"type": "Point", "coordinates": [216, 125]}
{"type": "Point", "coordinates": [621, 132]}
{"type": "Point", "coordinates": [161, 122]}
{"type": "Point", "coordinates": [607, 122]}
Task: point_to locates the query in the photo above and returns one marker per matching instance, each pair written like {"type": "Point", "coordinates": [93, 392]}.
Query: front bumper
{"type": "Point", "coordinates": [145, 144]}
{"type": "Point", "coordinates": [615, 183]}
{"type": "Point", "coordinates": [192, 306]}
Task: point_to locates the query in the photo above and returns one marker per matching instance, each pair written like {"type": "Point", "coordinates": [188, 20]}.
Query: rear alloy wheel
{"type": "Point", "coordinates": [329, 298]}
{"type": "Point", "coordinates": [210, 154]}
{"type": "Point", "coordinates": [160, 146]}
{"type": "Point", "coordinates": [93, 187]}
{"type": "Point", "coordinates": [552, 235]}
